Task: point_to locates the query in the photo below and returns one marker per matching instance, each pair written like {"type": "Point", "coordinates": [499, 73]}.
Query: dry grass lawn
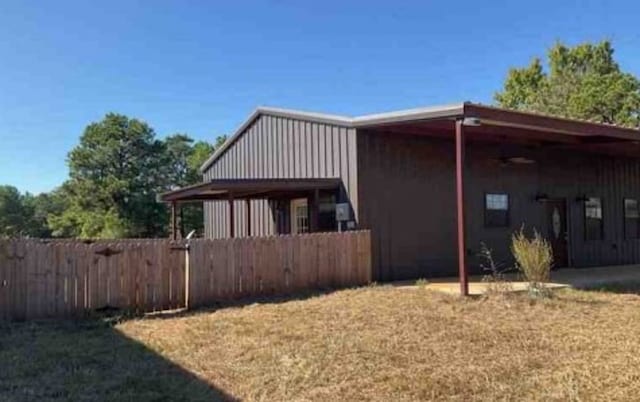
{"type": "Point", "coordinates": [376, 343]}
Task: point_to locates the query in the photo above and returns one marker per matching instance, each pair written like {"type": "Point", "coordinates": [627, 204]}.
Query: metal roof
{"type": "Point", "coordinates": [492, 115]}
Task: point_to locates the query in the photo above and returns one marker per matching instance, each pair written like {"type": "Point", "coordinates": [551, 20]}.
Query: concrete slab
{"type": "Point", "coordinates": [562, 278]}
{"type": "Point", "coordinates": [475, 288]}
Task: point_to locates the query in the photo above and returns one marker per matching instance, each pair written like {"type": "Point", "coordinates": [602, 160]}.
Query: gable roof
{"type": "Point", "coordinates": [494, 115]}
{"type": "Point", "coordinates": [338, 120]}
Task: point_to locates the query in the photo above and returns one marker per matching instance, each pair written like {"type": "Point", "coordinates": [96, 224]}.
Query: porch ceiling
{"type": "Point", "coordinates": [530, 129]}
{"type": "Point", "coordinates": [223, 189]}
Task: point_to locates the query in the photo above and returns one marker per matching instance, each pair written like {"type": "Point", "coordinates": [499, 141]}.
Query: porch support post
{"type": "Point", "coordinates": [174, 222]}
{"type": "Point", "coordinates": [232, 217]}
{"type": "Point", "coordinates": [315, 200]}
{"type": "Point", "coordinates": [248, 215]}
{"type": "Point", "coordinates": [462, 249]}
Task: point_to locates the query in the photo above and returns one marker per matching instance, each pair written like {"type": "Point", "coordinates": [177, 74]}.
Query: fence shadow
{"type": "Point", "coordinates": [90, 360]}
{"type": "Point", "coordinates": [240, 302]}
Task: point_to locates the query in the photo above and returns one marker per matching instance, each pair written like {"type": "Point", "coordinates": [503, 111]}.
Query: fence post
{"type": "Point", "coordinates": [187, 268]}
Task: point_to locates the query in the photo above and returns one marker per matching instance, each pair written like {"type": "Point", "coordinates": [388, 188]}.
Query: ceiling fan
{"type": "Point", "coordinates": [514, 160]}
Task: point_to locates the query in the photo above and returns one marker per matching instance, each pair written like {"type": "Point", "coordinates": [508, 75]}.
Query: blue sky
{"type": "Point", "coordinates": [200, 67]}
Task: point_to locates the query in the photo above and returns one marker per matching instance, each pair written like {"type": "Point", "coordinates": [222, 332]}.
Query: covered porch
{"type": "Point", "coordinates": [527, 148]}
{"type": "Point", "coordinates": [299, 205]}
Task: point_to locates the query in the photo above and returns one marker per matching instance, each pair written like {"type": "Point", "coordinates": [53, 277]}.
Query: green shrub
{"type": "Point", "coordinates": [534, 258]}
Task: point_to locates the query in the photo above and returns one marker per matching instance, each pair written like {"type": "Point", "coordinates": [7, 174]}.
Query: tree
{"type": "Point", "coordinates": [184, 158]}
{"type": "Point", "coordinates": [12, 214]}
{"type": "Point", "coordinates": [24, 214]}
{"type": "Point", "coordinates": [38, 209]}
{"type": "Point", "coordinates": [582, 82]}
{"type": "Point", "coordinates": [115, 173]}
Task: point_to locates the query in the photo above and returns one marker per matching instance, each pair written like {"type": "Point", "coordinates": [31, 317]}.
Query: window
{"type": "Point", "coordinates": [496, 210]}
{"type": "Point", "coordinates": [631, 219]}
{"type": "Point", "coordinates": [299, 216]}
{"type": "Point", "coordinates": [593, 222]}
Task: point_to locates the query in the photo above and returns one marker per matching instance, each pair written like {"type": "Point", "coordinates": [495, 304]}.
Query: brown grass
{"type": "Point", "coordinates": [376, 343]}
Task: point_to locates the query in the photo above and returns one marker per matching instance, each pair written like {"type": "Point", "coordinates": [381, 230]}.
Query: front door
{"type": "Point", "coordinates": [557, 231]}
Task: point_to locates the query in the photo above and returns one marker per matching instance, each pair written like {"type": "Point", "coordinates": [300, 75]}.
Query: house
{"type": "Point", "coordinates": [432, 184]}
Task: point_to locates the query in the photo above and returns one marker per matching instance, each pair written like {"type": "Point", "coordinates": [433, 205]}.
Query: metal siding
{"type": "Point", "coordinates": [406, 197]}
{"type": "Point", "coordinates": [279, 147]}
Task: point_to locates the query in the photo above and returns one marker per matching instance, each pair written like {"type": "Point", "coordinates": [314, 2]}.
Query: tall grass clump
{"type": "Point", "coordinates": [534, 258]}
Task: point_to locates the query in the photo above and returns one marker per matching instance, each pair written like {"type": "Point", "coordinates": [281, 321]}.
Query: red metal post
{"type": "Point", "coordinates": [462, 248]}
{"type": "Point", "coordinates": [248, 216]}
{"type": "Point", "coordinates": [232, 217]}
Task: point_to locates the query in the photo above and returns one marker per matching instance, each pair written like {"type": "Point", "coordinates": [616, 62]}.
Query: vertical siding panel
{"type": "Point", "coordinates": [293, 143]}
{"type": "Point", "coordinates": [241, 158]}
{"type": "Point", "coordinates": [308, 134]}
{"type": "Point", "coordinates": [299, 148]}
{"type": "Point", "coordinates": [234, 161]}
{"type": "Point", "coordinates": [322, 158]}
{"type": "Point", "coordinates": [335, 141]}
{"type": "Point", "coordinates": [274, 149]}
{"type": "Point", "coordinates": [267, 151]}
{"type": "Point", "coordinates": [272, 155]}
{"type": "Point", "coordinates": [344, 163]}
{"type": "Point", "coordinates": [259, 149]}
{"type": "Point", "coordinates": [352, 171]}
{"type": "Point", "coordinates": [286, 147]}
{"type": "Point", "coordinates": [279, 146]}
{"type": "Point", "coordinates": [316, 150]}
{"type": "Point", "coordinates": [308, 150]}
{"type": "Point", "coordinates": [281, 149]}
{"type": "Point", "coordinates": [303, 149]}
{"type": "Point", "coordinates": [302, 133]}
{"type": "Point", "coordinates": [253, 157]}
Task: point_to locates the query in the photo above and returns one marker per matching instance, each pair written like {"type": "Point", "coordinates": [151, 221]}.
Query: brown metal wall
{"type": "Point", "coordinates": [407, 199]}
{"type": "Point", "coordinates": [279, 147]}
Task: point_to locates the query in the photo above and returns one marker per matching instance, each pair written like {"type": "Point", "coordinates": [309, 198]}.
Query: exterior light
{"type": "Point", "coordinates": [471, 122]}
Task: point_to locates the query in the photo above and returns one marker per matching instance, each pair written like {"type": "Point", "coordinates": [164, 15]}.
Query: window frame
{"type": "Point", "coordinates": [586, 218]}
{"type": "Point", "coordinates": [625, 218]}
{"type": "Point", "coordinates": [507, 222]}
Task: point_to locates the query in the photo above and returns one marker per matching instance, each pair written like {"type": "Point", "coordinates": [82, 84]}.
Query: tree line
{"type": "Point", "coordinates": [119, 165]}
{"type": "Point", "coordinates": [115, 173]}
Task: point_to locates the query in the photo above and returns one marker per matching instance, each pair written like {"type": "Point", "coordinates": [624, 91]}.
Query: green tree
{"type": "Point", "coordinates": [38, 209]}
{"type": "Point", "coordinates": [583, 82]}
{"type": "Point", "coordinates": [12, 214]}
{"type": "Point", "coordinates": [115, 173]}
{"type": "Point", "coordinates": [183, 160]}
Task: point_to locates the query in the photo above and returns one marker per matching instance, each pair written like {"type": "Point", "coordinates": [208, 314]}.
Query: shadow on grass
{"type": "Point", "coordinates": [90, 361]}
{"type": "Point", "coordinates": [242, 302]}
{"type": "Point", "coordinates": [621, 286]}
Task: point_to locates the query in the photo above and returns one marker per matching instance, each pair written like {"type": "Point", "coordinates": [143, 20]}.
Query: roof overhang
{"type": "Point", "coordinates": [223, 189]}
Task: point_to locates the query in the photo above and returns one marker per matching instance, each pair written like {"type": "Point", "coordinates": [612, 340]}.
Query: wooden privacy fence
{"type": "Point", "coordinates": [47, 279]}
{"type": "Point", "coordinates": [254, 266]}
